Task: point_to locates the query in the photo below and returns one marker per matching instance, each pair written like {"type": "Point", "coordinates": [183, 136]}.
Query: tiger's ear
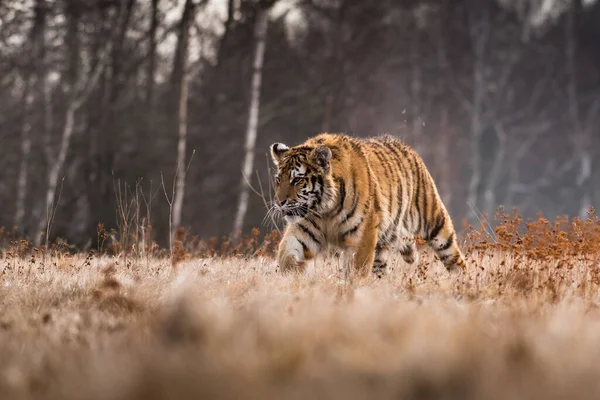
{"type": "Point", "coordinates": [321, 156]}
{"type": "Point", "coordinates": [277, 150]}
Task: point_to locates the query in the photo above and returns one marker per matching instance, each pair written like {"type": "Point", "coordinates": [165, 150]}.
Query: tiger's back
{"type": "Point", "coordinates": [375, 194]}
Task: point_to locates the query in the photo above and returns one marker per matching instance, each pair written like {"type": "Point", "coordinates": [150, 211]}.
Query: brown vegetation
{"type": "Point", "coordinates": [218, 321]}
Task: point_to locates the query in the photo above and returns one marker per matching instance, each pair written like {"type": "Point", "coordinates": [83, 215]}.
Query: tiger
{"type": "Point", "coordinates": [368, 195]}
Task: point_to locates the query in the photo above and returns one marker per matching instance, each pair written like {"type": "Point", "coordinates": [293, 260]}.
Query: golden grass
{"type": "Point", "coordinates": [523, 322]}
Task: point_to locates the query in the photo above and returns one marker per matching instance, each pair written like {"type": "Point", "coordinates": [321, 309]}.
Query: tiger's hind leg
{"type": "Point", "coordinates": [407, 247]}
{"type": "Point", "coordinates": [409, 253]}
{"type": "Point", "coordinates": [380, 263]}
{"type": "Point", "coordinates": [442, 239]}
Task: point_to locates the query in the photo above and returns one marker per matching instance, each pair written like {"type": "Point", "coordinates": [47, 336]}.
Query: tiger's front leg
{"type": "Point", "coordinates": [364, 256]}
{"type": "Point", "coordinates": [297, 245]}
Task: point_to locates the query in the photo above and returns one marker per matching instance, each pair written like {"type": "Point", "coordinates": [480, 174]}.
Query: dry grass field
{"type": "Point", "coordinates": [523, 322]}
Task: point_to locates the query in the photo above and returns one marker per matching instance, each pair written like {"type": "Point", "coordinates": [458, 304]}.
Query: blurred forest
{"type": "Point", "coordinates": [102, 100]}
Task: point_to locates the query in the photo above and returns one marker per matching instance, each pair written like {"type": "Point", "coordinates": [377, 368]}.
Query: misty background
{"type": "Point", "coordinates": [102, 100]}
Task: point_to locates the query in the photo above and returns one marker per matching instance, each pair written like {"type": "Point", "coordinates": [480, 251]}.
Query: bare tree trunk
{"type": "Point", "coordinates": [583, 178]}
{"type": "Point", "coordinates": [181, 150]}
{"type": "Point", "coordinates": [260, 33]}
{"type": "Point", "coordinates": [152, 56]}
{"type": "Point", "coordinates": [25, 151]}
{"type": "Point", "coordinates": [489, 194]}
{"type": "Point", "coordinates": [581, 138]}
{"type": "Point", "coordinates": [181, 71]}
{"type": "Point", "coordinates": [48, 121]}
{"type": "Point", "coordinates": [54, 171]}
{"type": "Point", "coordinates": [479, 30]}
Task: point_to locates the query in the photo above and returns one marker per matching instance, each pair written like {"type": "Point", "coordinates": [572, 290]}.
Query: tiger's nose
{"type": "Point", "coordinates": [281, 203]}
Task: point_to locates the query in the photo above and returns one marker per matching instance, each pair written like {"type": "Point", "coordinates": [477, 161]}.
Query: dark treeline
{"type": "Point", "coordinates": [100, 97]}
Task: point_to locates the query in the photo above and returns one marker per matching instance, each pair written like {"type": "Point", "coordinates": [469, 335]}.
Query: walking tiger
{"type": "Point", "coordinates": [368, 195]}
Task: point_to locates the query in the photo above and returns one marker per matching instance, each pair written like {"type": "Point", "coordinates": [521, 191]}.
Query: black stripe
{"type": "Point", "coordinates": [401, 169]}
{"type": "Point", "coordinates": [417, 197]}
{"type": "Point", "coordinates": [342, 192]}
{"type": "Point", "coordinates": [394, 227]}
{"type": "Point", "coordinates": [309, 233]}
{"type": "Point", "coordinates": [304, 246]}
{"type": "Point", "coordinates": [393, 178]}
{"type": "Point", "coordinates": [384, 157]}
{"type": "Point", "coordinates": [396, 220]}
{"type": "Point", "coordinates": [370, 188]}
{"type": "Point", "coordinates": [440, 221]}
{"type": "Point", "coordinates": [381, 157]}
{"type": "Point", "coordinates": [313, 223]}
{"type": "Point", "coordinates": [448, 243]}
{"type": "Point", "coordinates": [318, 196]}
{"type": "Point", "coordinates": [408, 220]}
{"type": "Point", "coordinates": [394, 150]}
{"type": "Point", "coordinates": [318, 193]}
{"type": "Point", "coordinates": [376, 205]}
{"type": "Point", "coordinates": [391, 199]}
{"type": "Point", "coordinates": [353, 229]}
{"type": "Point", "coordinates": [355, 198]}
{"type": "Point", "coordinates": [406, 250]}
{"type": "Point", "coordinates": [425, 205]}
{"type": "Point", "coordinates": [449, 259]}
{"type": "Point", "coordinates": [387, 172]}
{"type": "Point", "coordinates": [352, 210]}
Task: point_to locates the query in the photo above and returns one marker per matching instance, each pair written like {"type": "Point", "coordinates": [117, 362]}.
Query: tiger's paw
{"type": "Point", "coordinates": [379, 269]}
{"type": "Point", "coordinates": [289, 264]}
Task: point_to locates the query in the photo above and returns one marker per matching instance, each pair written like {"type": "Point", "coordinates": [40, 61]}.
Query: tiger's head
{"type": "Point", "coordinates": [303, 181]}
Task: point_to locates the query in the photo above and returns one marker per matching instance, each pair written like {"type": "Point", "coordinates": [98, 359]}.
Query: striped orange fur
{"type": "Point", "coordinates": [365, 195]}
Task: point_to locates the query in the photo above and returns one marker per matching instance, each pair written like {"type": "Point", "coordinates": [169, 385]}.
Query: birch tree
{"type": "Point", "coordinates": [182, 71]}
{"type": "Point", "coordinates": [25, 152]}
{"type": "Point", "coordinates": [260, 33]}
{"type": "Point", "coordinates": [479, 29]}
